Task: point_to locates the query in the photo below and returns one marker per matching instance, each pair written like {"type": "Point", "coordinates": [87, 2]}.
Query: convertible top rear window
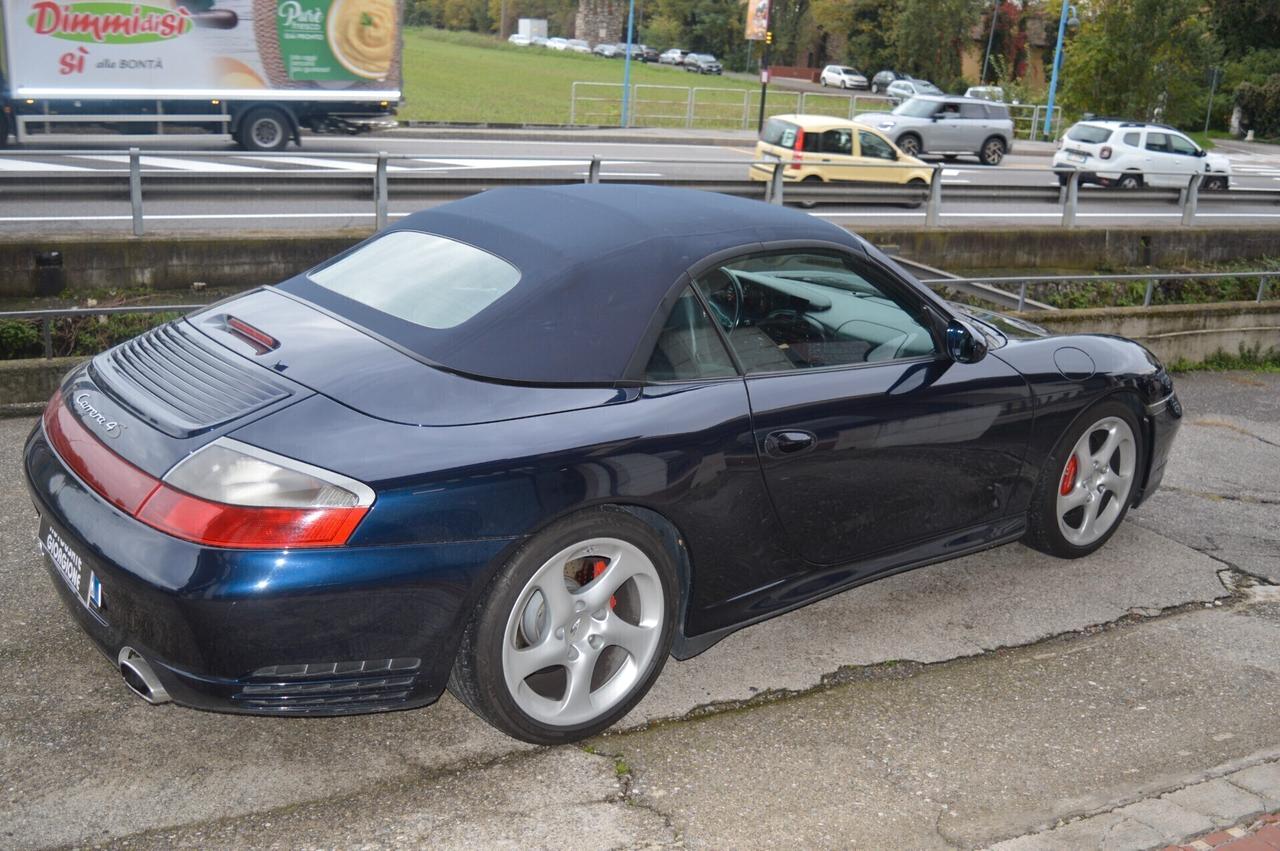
{"type": "Point", "coordinates": [419, 277]}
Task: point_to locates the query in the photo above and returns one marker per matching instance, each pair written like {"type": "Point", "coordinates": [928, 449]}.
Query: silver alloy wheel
{"type": "Point", "coordinates": [993, 152]}
{"type": "Point", "coordinates": [1096, 481]}
{"type": "Point", "coordinates": [909, 145]}
{"type": "Point", "coordinates": [1130, 181]}
{"type": "Point", "coordinates": [573, 650]}
{"type": "Point", "coordinates": [266, 131]}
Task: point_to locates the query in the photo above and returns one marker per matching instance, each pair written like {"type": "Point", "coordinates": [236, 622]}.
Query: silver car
{"type": "Point", "coordinates": [947, 125]}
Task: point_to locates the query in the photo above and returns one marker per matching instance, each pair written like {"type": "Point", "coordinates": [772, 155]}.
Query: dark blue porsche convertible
{"type": "Point", "coordinates": [526, 445]}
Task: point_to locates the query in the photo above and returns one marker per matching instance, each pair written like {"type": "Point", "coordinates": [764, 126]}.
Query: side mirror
{"type": "Point", "coordinates": [1200, 152]}
{"type": "Point", "coordinates": [965, 344]}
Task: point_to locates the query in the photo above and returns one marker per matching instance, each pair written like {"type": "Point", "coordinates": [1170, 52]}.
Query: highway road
{"type": "Point", "coordinates": [57, 212]}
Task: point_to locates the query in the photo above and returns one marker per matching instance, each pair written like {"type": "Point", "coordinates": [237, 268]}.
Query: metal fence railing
{"type": "Point", "coordinates": [973, 192]}
{"type": "Point", "coordinates": [711, 108]}
{"type": "Point", "coordinates": [988, 289]}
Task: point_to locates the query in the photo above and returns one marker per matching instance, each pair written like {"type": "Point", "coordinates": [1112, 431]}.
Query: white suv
{"type": "Point", "coordinates": [1130, 154]}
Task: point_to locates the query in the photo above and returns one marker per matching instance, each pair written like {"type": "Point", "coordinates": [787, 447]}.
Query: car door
{"type": "Point", "coordinates": [947, 128]}
{"type": "Point", "coordinates": [869, 438]}
{"type": "Point", "coordinates": [835, 155]}
{"type": "Point", "coordinates": [1162, 167]}
{"type": "Point", "coordinates": [1187, 156]}
{"type": "Point", "coordinates": [877, 160]}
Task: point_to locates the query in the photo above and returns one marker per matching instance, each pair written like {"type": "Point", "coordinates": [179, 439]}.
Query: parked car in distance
{"type": "Point", "coordinates": [538, 41]}
{"type": "Point", "coordinates": [822, 148]}
{"type": "Point", "coordinates": [842, 76]}
{"type": "Point", "coordinates": [420, 465]}
{"type": "Point", "coordinates": [672, 56]}
{"type": "Point", "coordinates": [702, 63]}
{"type": "Point", "coordinates": [519, 40]}
{"type": "Point", "coordinates": [1132, 154]}
{"type": "Point", "coordinates": [949, 125]}
{"type": "Point", "coordinates": [881, 81]}
{"type": "Point", "coordinates": [608, 51]}
{"type": "Point", "coordinates": [577, 45]}
{"type": "Point", "coordinates": [557, 43]}
{"type": "Point", "coordinates": [639, 52]}
{"type": "Point", "coordinates": [903, 89]}
{"type": "Point", "coordinates": [991, 93]}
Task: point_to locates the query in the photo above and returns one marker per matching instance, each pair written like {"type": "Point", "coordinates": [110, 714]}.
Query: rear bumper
{"type": "Point", "coordinates": [1164, 418]}
{"type": "Point", "coordinates": [316, 632]}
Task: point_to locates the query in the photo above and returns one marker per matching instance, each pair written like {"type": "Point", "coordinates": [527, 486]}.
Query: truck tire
{"type": "Point", "coordinates": [264, 128]}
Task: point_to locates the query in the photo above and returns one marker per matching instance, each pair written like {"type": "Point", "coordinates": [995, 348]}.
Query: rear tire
{"type": "Point", "coordinates": [1099, 482]}
{"type": "Point", "coordinates": [264, 128]}
{"type": "Point", "coordinates": [1129, 180]}
{"type": "Point", "coordinates": [992, 151]}
{"type": "Point", "coordinates": [543, 658]}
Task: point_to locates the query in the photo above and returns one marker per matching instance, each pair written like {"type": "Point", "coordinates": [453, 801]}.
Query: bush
{"type": "Point", "coordinates": [1260, 106]}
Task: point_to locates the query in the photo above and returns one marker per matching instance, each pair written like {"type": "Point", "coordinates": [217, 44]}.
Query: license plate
{"type": "Point", "coordinates": [68, 564]}
{"type": "Point", "coordinates": [1076, 156]}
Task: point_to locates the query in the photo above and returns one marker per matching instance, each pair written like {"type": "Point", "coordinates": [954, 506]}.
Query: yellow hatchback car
{"type": "Point", "coordinates": [820, 147]}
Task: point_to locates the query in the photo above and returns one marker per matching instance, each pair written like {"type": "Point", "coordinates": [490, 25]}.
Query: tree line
{"type": "Point", "coordinates": [1141, 59]}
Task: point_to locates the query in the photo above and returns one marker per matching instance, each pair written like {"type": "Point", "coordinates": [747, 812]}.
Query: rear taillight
{"type": "Point", "coordinates": [798, 160]}
{"type": "Point", "coordinates": [226, 494]}
{"type": "Point", "coordinates": [1105, 153]}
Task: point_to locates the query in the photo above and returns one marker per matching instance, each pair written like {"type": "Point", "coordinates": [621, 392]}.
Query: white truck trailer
{"type": "Point", "coordinates": [253, 71]}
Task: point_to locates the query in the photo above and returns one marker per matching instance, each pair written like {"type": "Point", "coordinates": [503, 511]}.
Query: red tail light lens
{"type": "Point", "coordinates": [247, 498]}
{"type": "Point", "coordinates": [798, 159]}
{"type": "Point", "coordinates": [220, 525]}
{"type": "Point", "coordinates": [115, 479]}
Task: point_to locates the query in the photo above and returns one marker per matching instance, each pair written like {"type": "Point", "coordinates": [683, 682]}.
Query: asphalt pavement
{"type": "Point", "coordinates": [1123, 700]}
{"type": "Point", "coordinates": [666, 155]}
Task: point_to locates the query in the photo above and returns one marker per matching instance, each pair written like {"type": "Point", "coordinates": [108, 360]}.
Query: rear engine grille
{"type": "Point", "coordinates": [182, 383]}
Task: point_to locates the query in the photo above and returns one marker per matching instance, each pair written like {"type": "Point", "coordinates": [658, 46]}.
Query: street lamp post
{"type": "Point", "coordinates": [995, 15]}
{"type": "Point", "coordinates": [1057, 65]}
{"type": "Point", "coordinates": [626, 66]}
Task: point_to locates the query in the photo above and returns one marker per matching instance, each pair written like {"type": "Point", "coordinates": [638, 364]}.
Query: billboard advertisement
{"type": "Point", "coordinates": [757, 19]}
{"type": "Point", "coordinates": [296, 49]}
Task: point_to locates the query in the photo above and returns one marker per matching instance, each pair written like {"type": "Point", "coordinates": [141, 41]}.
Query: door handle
{"type": "Point", "coordinates": [789, 442]}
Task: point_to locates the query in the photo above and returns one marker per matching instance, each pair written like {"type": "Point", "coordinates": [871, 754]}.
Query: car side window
{"type": "Point", "coordinates": [874, 147]}
{"type": "Point", "coordinates": [804, 310]}
{"type": "Point", "coordinates": [1158, 142]}
{"type": "Point", "coordinates": [1179, 145]}
{"type": "Point", "coordinates": [949, 110]}
{"type": "Point", "coordinates": [837, 141]}
{"type": "Point", "coordinates": [688, 346]}
{"type": "Point", "coordinates": [973, 110]}
{"type": "Point", "coordinates": [1133, 140]}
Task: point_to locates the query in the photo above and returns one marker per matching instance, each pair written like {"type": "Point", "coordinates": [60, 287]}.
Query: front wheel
{"type": "Point", "coordinates": [264, 128]}
{"type": "Point", "coordinates": [1087, 484]}
{"type": "Point", "coordinates": [910, 145]}
{"type": "Point", "coordinates": [1215, 184]}
{"type": "Point", "coordinates": [573, 630]}
{"type": "Point", "coordinates": [992, 151]}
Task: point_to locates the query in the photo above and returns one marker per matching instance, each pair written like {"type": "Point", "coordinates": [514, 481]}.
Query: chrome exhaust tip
{"type": "Point", "coordinates": [139, 677]}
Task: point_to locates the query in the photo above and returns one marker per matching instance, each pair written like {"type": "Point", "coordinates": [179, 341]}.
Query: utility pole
{"type": "Point", "coordinates": [995, 14]}
{"type": "Point", "coordinates": [764, 66]}
{"type": "Point", "coordinates": [626, 66]}
{"type": "Point", "coordinates": [1215, 74]}
{"type": "Point", "coordinates": [1057, 66]}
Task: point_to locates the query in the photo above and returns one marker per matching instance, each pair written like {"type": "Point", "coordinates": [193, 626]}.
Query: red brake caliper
{"type": "Point", "coordinates": [1069, 476]}
{"type": "Point", "coordinates": [597, 568]}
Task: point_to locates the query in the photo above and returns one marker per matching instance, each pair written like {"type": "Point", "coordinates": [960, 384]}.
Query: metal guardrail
{"type": "Point", "coordinates": [376, 174]}
{"type": "Point", "coordinates": [985, 288]}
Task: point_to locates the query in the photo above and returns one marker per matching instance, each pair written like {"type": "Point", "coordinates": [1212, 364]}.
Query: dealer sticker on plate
{"type": "Point", "coordinates": [84, 583]}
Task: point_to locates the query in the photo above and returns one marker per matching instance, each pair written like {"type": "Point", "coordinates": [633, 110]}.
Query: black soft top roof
{"type": "Point", "coordinates": [597, 265]}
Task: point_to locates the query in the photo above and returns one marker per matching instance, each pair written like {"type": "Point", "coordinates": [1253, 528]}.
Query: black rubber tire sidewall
{"type": "Point", "coordinates": [903, 144]}
{"type": "Point", "coordinates": [1042, 521]}
{"type": "Point", "coordinates": [255, 115]}
{"type": "Point", "coordinates": [982, 154]}
{"type": "Point", "coordinates": [477, 678]}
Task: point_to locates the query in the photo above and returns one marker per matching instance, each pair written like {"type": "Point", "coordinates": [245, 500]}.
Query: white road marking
{"type": "Point", "coordinates": [7, 164]}
{"type": "Point", "coordinates": [512, 163]}
{"type": "Point", "coordinates": [169, 162]}
{"type": "Point", "coordinates": [623, 174]}
{"type": "Point", "coordinates": [339, 165]}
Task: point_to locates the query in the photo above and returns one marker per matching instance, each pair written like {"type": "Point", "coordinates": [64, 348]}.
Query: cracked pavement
{"type": "Point", "coordinates": [1003, 698]}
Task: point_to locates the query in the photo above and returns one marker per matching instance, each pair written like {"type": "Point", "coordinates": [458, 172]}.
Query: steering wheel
{"type": "Point", "coordinates": [725, 296]}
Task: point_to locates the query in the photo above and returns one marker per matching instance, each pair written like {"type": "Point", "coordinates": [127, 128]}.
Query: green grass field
{"type": "Point", "coordinates": [466, 77]}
